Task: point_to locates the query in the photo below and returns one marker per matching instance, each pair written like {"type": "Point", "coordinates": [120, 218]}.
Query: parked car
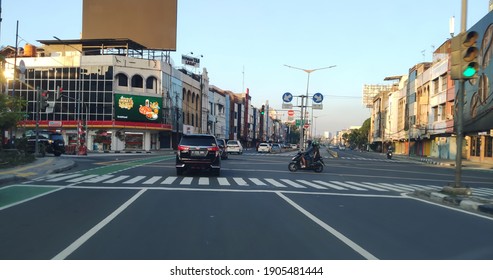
{"type": "Point", "coordinates": [48, 142]}
{"type": "Point", "coordinates": [264, 148]}
{"type": "Point", "coordinates": [223, 146]}
{"type": "Point", "coordinates": [234, 146]}
{"type": "Point", "coordinates": [275, 148]}
{"type": "Point", "coordinates": [198, 151]}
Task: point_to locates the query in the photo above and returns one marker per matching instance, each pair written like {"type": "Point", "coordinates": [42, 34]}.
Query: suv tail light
{"type": "Point", "coordinates": [213, 149]}
{"type": "Point", "coordinates": [183, 148]}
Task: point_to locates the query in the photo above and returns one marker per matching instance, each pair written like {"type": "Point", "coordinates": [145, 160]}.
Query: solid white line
{"type": "Point", "coordinates": [81, 240]}
{"type": "Point", "coordinates": [367, 255]}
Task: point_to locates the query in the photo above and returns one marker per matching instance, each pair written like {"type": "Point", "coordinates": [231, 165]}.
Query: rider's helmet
{"type": "Point", "coordinates": [309, 142]}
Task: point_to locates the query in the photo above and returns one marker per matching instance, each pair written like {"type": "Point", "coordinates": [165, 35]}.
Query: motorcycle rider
{"type": "Point", "coordinates": [311, 153]}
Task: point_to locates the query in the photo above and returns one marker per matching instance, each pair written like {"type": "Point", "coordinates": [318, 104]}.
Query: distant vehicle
{"type": "Point", "coordinates": [342, 148]}
{"type": "Point", "coordinates": [234, 146]}
{"type": "Point", "coordinates": [264, 148]}
{"type": "Point", "coordinates": [275, 148]}
{"type": "Point", "coordinates": [294, 146]}
{"type": "Point", "coordinates": [198, 151]}
{"type": "Point", "coordinates": [223, 147]}
{"type": "Point", "coordinates": [48, 142]}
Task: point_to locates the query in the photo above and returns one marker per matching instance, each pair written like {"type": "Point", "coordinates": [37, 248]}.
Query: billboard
{"type": "Point", "coordinates": [478, 100]}
{"type": "Point", "coordinates": [151, 23]}
{"type": "Point", "coordinates": [136, 108]}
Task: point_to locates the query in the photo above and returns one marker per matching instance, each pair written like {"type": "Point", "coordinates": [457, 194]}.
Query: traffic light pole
{"type": "Point", "coordinates": [458, 188]}
{"type": "Point", "coordinates": [38, 103]}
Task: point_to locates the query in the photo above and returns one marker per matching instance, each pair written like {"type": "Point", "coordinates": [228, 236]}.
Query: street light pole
{"type": "Point", "coordinates": [303, 111]}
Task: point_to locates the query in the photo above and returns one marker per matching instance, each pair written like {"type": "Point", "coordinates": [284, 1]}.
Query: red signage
{"type": "Point", "coordinates": [290, 113]}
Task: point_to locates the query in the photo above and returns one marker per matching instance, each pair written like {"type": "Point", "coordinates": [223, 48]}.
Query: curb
{"type": "Point", "coordinates": [463, 202]}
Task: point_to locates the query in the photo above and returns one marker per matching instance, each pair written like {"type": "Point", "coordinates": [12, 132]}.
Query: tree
{"type": "Point", "coordinates": [358, 138]}
{"type": "Point", "coordinates": [10, 112]}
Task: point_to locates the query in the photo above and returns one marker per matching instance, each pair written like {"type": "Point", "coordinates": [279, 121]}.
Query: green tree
{"type": "Point", "coordinates": [10, 112]}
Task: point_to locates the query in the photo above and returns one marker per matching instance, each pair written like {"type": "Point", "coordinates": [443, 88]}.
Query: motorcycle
{"type": "Point", "coordinates": [389, 154]}
{"type": "Point", "coordinates": [316, 165]}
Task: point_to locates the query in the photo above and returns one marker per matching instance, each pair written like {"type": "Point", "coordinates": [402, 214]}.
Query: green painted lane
{"type": "Point", "coordinates": [125, 165]}
{"type": "Point", "coordinates": [18, 193]}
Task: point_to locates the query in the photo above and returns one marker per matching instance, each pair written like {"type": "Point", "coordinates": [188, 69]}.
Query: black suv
{"type": "Point", "coordinates": [198, 151]}
{"type": "Point", "coordinates": [49, 142]}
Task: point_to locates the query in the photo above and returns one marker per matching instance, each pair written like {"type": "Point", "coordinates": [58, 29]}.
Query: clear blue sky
{"type": "Point", "coordinates": [246, 43]}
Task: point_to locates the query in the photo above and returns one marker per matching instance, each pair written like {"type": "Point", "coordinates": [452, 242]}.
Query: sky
{"type": "Point", "coordinates": [246, 44]}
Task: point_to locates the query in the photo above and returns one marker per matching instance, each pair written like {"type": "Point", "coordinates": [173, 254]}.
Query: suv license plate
{"type": "Point", "coordinates": [199, 153]}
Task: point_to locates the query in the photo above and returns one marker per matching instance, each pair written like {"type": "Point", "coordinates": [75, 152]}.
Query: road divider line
{"type": "Point", "coordinates": [83, 239]}
{"type": "Point", "coordinates": [367, 255]}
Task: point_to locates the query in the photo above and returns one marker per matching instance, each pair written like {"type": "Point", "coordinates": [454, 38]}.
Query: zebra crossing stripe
{"type": "Point", "coordinates": [169, 180]}
{"type": "Point", "coordinates": [223, 181]}
{"type": "Point", "coordinates": [240, 181]}
{"type": "Point", "coordinates": [293, 184]}
{"type": "Point", "coordinates": [366, 186]}
{"type": "Point", "coordinates": [275, 183]}
{"type": "Point", "coordinates": [64, 177]}
{"type": "Point", "coordinates": [257, 182]}
{"type": "Point", "coordinates": [332, 186]}
{"type": "Point", "coordinates": [347, 186]}
{"type": "Point", "coordinates": [153, 180]}
{"type": "Point", "coordinates": [134, 180]}
{"type": "Point", "coordinates": [311, 184]}
{"type": "Point", "coordinates": [391, 187]}
{"type": "Point", "coordinates": [98, 179]}
{"type": "Point", "coordinates": [117, 179]}
{"type": "Point", "coordinates": [186, 181]}
{"type": "Point", "coordinates": [395, 186]}
{"type": "Point", "coordinates": [75, 180]}
{"type": "Point", "coordinates": [203, 181]}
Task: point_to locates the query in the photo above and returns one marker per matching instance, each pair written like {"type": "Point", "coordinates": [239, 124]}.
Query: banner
{"type": "Point", "coordinates": [136, 108]}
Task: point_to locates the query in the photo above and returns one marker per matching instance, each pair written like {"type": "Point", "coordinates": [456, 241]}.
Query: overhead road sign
{"type": "Point", "coordinates": [287, 97]}
{"type": "Point", "coordinates": [318, 97]}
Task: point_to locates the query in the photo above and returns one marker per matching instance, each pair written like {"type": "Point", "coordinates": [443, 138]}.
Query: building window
{"type": "Point", "coordinates": [435, 86]}
{"type": "Point", "coordinates": [137, 81]}
{"type": "Point", "coordinates": [151, 83]}
{"type": "Point", "coordinates": [488, 145]}
{"type": "Point", "coordinates": [122, 80]}
{"type": "Point", "coordinates": [475, 146]}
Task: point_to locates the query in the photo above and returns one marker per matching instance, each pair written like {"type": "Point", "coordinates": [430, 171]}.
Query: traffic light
{"type": "Point", "coordinates": [262, 110]}
{"type": "Point", "coordinates": [43, 104]}
{"type": "Point", "coordinates": [464, 56]}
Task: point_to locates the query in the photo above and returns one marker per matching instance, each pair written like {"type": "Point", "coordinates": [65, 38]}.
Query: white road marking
{"type": "Point", "coordinates": [257, 182]}
{"type": "Point", "coordinates": [275, 183]}
{"type": "Point", "coordinates": [223, 181]}
{"type": "Point", "coordinates": [81, 240]}
{"type": "Point", "coordinates": [367, 255]}
{"type": "Point", "coordinates": [293, 183]}
{"type": "Point", "coordinates": [169, 180]}
{"type": "Point", "coordinates": [134, 180]}
{"type": "Point", "coordinates": [117, 179]}
{"type": "Point", "coordinates": [203, 181]}
{"type": "Point", "coordinates": [240, 181]}
{"type": "Point", "coordinates": [152, 180]}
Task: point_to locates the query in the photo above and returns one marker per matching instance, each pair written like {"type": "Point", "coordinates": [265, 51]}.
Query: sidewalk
{"type": "Point", "coordinates": [467, 164]}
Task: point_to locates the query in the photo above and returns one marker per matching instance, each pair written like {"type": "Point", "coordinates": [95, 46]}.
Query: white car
{"type": "Point", "coordinates": [234, 146]}
{"type": "Point", "coordinates": [264, 148]}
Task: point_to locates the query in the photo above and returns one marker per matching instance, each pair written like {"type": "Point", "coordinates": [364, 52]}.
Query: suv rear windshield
{"type": "Point", "coordinates": [198, 141]}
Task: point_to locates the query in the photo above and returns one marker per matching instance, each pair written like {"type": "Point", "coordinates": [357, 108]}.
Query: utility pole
{"type": "Point", "coordinates": [458, 188]}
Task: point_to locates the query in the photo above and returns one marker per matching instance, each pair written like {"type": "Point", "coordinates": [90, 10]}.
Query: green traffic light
{"type": "Point", "coordinates": [470, 70]}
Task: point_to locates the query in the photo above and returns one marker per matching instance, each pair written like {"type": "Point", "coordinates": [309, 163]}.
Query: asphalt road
{"type": "Point", "coordinates": [136, 208]}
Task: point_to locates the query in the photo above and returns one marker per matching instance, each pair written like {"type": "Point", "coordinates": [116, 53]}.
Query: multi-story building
{"type": "Point", "coordinates": [122, 97]}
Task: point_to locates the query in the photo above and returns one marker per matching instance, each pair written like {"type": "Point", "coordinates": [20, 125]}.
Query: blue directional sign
{"type": "Point", "coordinates": [318, 97]}
{"type": "Point", "coordinates": [287, 97]}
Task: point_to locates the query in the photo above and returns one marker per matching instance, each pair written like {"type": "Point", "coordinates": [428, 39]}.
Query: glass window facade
{"type": "Point", "coordinates": [87, 90]}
